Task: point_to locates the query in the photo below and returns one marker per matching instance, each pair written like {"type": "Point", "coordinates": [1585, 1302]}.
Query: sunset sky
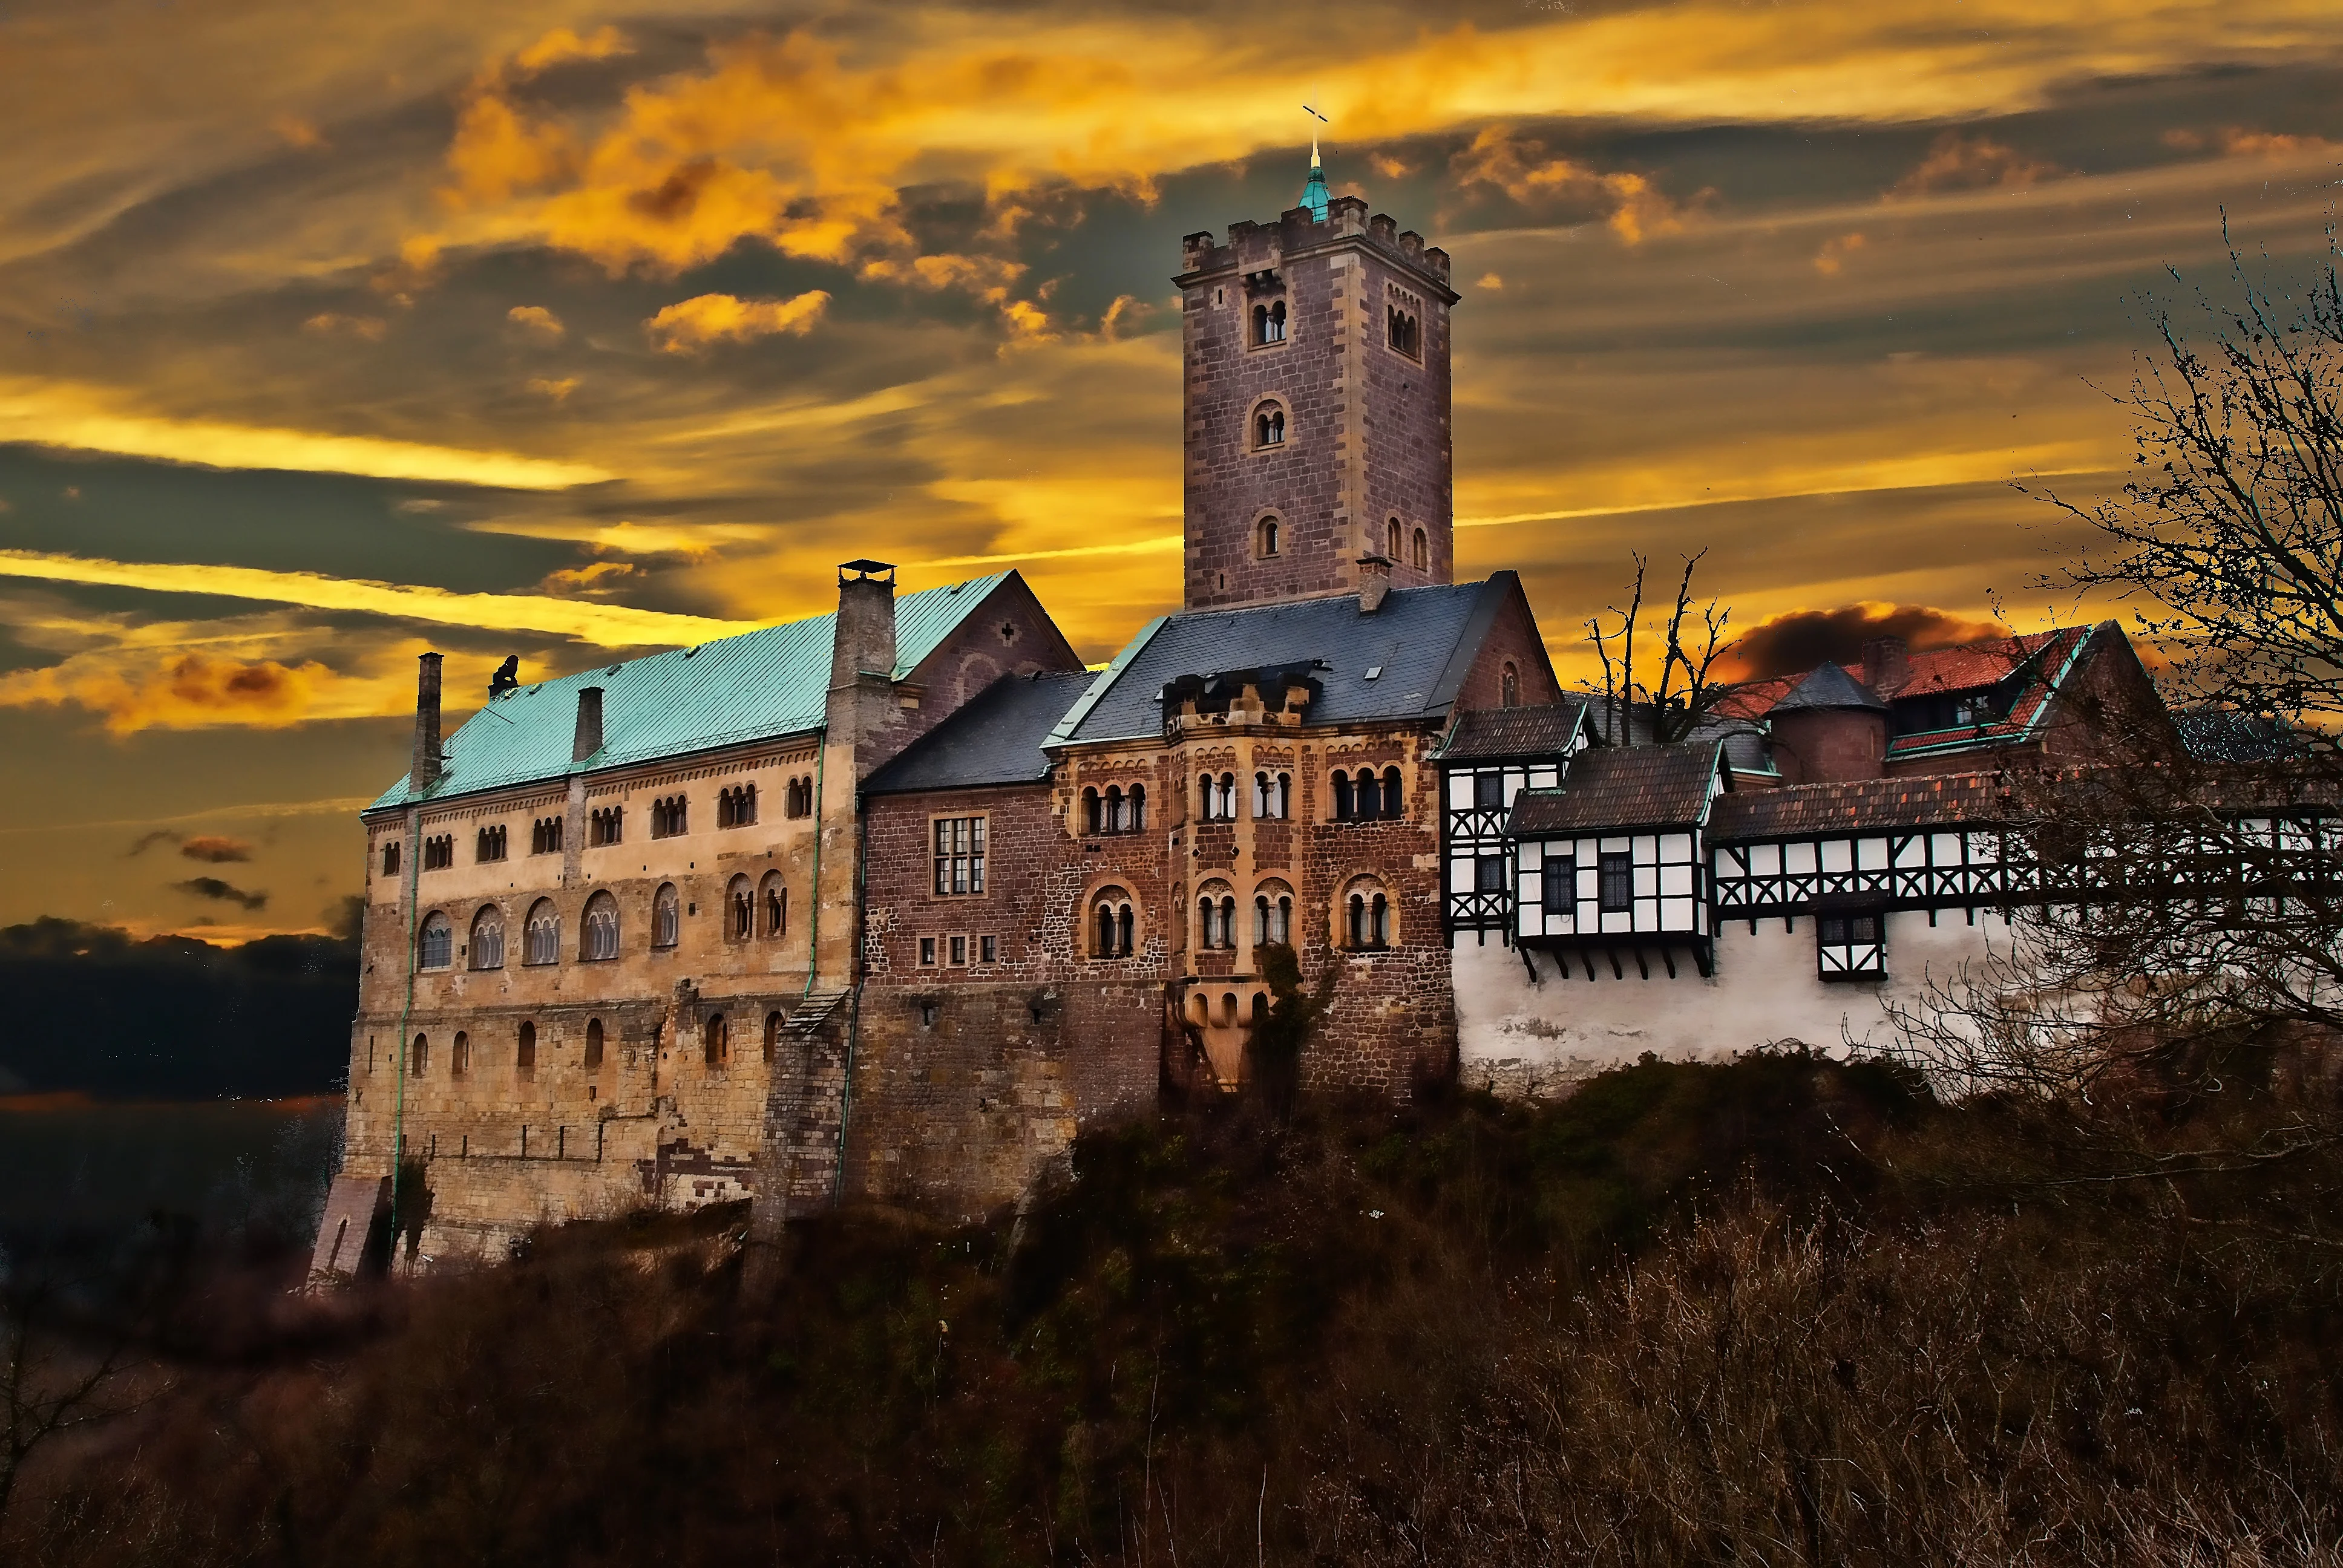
{"type": "Point", "coordinates": [330, 333]}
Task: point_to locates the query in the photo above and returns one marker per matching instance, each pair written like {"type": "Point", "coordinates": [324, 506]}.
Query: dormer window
{"type": "Point", "coordinates": [1269, 323]}
{"type": "Point", "coordinates": [1268, 426]}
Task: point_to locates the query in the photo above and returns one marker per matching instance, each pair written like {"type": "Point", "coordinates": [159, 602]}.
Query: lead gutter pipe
{"type": "Point", "coordinates": [413, 879]}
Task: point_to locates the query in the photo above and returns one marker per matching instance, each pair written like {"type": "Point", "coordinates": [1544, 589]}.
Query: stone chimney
{"type": "Point", "coordinates": [863, 712]}
{"type": "Point", "coordinates": [423, 772]}
{"type": "Point", "coordinates": [1886, 665]}
{"type": "Point", "coordinates": [588, 738]}
{"type": "Point", "coordinates": [1374, 581]}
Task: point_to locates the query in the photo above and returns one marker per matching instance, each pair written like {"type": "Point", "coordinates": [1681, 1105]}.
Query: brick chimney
{"type": "Point", "coordinates": [588, 738]}
{"type": "Point", "coordinates": [423, 771]}
{"type": "Point", "coordinates": [1374, 581]}
{"type": "Point", "coordinates": [1886, 665]}
{"type": "Point", "coordinates": [863, 711]}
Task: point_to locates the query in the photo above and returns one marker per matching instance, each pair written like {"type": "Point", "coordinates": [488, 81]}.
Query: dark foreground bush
{"type": "Point", "coordinates": [1775, 1312]}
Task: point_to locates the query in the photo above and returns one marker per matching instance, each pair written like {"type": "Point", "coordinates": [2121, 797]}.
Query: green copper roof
{"type": "Point", "coordinates": [771, 681]}
{"type": "Point", "coordinates": [1314, 194]}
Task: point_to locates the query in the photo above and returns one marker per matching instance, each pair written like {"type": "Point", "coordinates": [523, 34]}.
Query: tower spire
{"type": "Point", "coordinates": [1313, 191]}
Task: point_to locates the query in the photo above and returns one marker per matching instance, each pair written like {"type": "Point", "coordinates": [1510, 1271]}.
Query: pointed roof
{"type": "Point", "coordinates": [1829, 686]}
{"type": "Point", "coordinates": [1313, 192]}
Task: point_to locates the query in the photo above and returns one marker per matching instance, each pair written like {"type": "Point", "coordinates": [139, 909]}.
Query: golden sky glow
{"type": "Point", "coordinates": [332, 332]}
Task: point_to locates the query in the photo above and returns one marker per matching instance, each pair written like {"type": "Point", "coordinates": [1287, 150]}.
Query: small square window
{"type": "Point", "coordinates": [1489, 874]}
{"type": "Point", "coordinates": [1488, 791]}
{"type": "Point", "coordinates": [987, 951]}
{"type": "Point", "coordinates": [959, 950]}
{"type": "Point", "coordinates": [927, 952]}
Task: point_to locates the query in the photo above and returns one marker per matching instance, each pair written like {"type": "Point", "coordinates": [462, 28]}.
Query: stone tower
{"type": "Point", "coordinates": [1317, 417]}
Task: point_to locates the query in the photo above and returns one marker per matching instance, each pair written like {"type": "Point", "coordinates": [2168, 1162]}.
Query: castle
{"type": "Point", "coordinates": [963, 897]}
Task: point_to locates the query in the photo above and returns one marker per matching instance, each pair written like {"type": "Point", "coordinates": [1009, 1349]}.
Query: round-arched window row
{"type": "Point", "coordinates": [1269, 322]}
{"type": "Point", "coordinates": [1216, 916]}
{"type": "Point", "coordinates": [1367, 915]}
{"type": "Point", "coordinates": [1113, 924]}
{"type": "Point", "coordinates": [1115, 810]}
{"type": "Point", "coordinates": [1367, 796]}
{"type": "Point", "coordinates": [1272, 914]}
{"type": "Point", "coordinates": [1268, 426]}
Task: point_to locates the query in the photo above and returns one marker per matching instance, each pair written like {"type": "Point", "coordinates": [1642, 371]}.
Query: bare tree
{"type": "Point", "coordinates": [1686, 693]}
{"type": "Point", "coordinates": [50, 1385]}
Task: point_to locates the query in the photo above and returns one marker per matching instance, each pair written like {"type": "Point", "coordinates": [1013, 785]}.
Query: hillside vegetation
{"type": "Point", "coordinates": [1777, 1311]}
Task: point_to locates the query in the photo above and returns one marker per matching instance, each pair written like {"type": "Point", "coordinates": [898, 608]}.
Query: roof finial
{"type": "Point", "coordinates": [1313, 192]}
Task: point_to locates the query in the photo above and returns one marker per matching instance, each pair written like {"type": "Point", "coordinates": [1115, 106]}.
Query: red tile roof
{"type": "Point", "coordinates": [1613, 788]}
{"type": "Point", "coordinates": [1924, 801]}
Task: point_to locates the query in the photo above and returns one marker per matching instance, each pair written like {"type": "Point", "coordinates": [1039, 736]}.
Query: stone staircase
{"type": "Point", "coordinates": [806, 1109]}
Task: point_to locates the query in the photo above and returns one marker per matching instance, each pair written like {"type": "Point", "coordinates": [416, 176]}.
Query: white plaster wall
{"type": "Point", "coordinates": [1516, 1038]}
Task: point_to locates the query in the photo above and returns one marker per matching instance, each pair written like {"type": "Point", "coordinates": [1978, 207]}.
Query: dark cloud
{"type": "Point", "coordinates": [225, 892]}
{"type": "Point", "coordinates": [1797, 641]}
{"type": "Point", "coordinates": [215, 849]}
{"type": "Point", "coordinates": [146, 841]}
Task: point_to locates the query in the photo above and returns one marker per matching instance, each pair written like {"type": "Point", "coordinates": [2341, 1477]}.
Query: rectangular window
{"type": "Point", "coordinates": [959, 951]}
{"type": "Point", "coordinates": [927, 952]}
{"type": "Point", "coordinates": [1851, 944]}
{"type": "Point", "coordinates": [1615, 882]}
{"type": "Point", "coordinates": [1489, 874]}
{"type": "Point", "coordinates": [987, 950]}
{"type": "Point", "coordinates": [1558, 884]}
{"type": "Point", "coordinates": [1488, 791]}
{"type": "Point", "coordinates": [960, 855]}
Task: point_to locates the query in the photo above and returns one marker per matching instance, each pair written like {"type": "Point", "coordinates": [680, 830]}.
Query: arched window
{"type": "Point", "coordinates": [488, 944]}
{"type": "Point", "coordinates": [593, 1043]}
{"type": "Point", "coordinates": [666, 917]}
{"type": "Point", "coordinates": [1272, 795]}
{"type": "Point", "coordinates": [459, 1055]}
{"type": "Point", "coordinates": [1367, 796]}
{"type": "Point", "coordinates": [1114, 819]}
{"type": "Point", "coordinates": [1093, 812]}
{"type": "Point", "coordinates": [1272, 914]}
{"type": "Point", "coordinates": [797, 797]}
{"type": "Point", "coordinates": [601, 929]}
{"type": "Point", "coordinates": [525, 1048]}
{"type": "Point", "coordinates": [1367, 915]}
{"type": "Point", "coordinates": [1391, 538]}
{"type": "Point", "coordinates": [1269, 322]}
{"type": "Point", "coordinates": [1423, 551]}
{"type": "Point", "coordinates": [736, 807]}
{"type": "Point", "coordinates": [1267, 540]}
{"type": "Point", "coordinates": [772, 1033]}
{"type": "Point", "coordinates": [1269, 425]}
{"type": "Point", "coordinates": [1112, 923]}
{"type": "Point", "coordinates": [1343, 804]}
{"type": "Point", "coordinates": [541, 935]}
{"type": "Point", "coordinates": [713, 1047]}
{"type": "Point", "coordinates": [740, 912]}
{"type": "Point", "coordinates": [1216, 912]}
{"type": "Point", "coordinates": [1509, 687]}
{"type": "Point", "coordinates": [419, 1059]}
{"type": "Point", "coordinates": [775, 902]}
{"type": "Point", "coordinates": [670, 817]}
{"type": "Point", "coordinates": [1135, 808]}
{"type": "Point", "coordinates": [1225, 796]}
{"type": "Point", "coordinates": [1394, 797]}
{"type": "Point", "coordinates": [435, 945]}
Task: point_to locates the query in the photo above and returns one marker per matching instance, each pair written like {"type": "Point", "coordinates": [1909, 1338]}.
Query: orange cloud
{"type": "Point", "coordinates": [537, 319]}
{"type": "Point", "coordinates": [598, 576]}
{"type": "Point", "coordinates": [1835, 251]}
{"type": "Point", "coordinates": [988, 277]}
{"type": "Point", "coordinates": [1958, 163]}
{"type": "Point", "coordinates": [561, 44]}
{"type": "Point", "coordinates": [497, 153]}
{"type": "Point", "coordinates": [690, 325]}
{"type": "Point", "coordinates": [1524, 170]}
{"type": "Point", "coordinates": [2240, 143]}
{"type": "Point", "coordinates": [327, 322]}
{"type": "Point", "coordinates": [216, 848]}
{"type": "Point", "coordinates": [558, 391]}
{"type": "Point", "coordinates": [192, 691]}
{"type": "Point", "coordinates": [1799, 640]}
{"type": "Point", "coordinates": [297, 132]}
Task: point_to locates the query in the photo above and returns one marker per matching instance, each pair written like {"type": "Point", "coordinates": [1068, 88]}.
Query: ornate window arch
{"type": "Point", "coordinates": [1366, 914]}
{"type": "Point", "coordinates": [598, 931]}
{"type": "Point", "coordinates": [487, 942]}
{"type": "Point", "coordinates": [1111, 922]}
{"type": "Point", "coordinates": [1272, 794]}
{"type": "Point", "coordinates": [739, 910]}
{"type": "Point", "coordinates": [1267, 425]}
{"type": "Point", "coordinates": [773, 906]}
{"type": "Point", "coordinates": [541, 934]}
{"type": "Point", "coordinates": [435, 943]}
{"type": "Point", "coordinates": [666, 916]}
{"type": "Point", "coordinates": [1216, 914]}
{"type": "Point", "coordinates": [1272, 912]}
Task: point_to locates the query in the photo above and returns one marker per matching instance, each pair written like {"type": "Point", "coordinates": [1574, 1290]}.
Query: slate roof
{"type": "Point", "coordinates": [1925, 800]}
{"type": "Point", "coordinates": [771, 681]}
{"type": "Point", "coordinates": [1489, 733]}
{"type": "Point", "coordinates": [1829, 685]}
{"type": "Point", "coordinates": [995, 739]}
{"type": "Point", "coordinates": [1746, 749]}
{"type": "Point", "coordinates": [1421, 641]}
{"type": "Point", "coordinates": [1612, 789]}
{"type": "Point", "coordinates": [2230, 735]}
